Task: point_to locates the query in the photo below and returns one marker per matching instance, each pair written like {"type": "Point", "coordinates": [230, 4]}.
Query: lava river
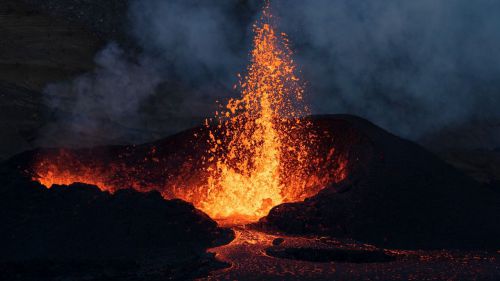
{"type": "Point", "coordinates": [249, 259]}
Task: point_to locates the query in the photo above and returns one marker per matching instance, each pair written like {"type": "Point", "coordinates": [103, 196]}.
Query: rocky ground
{"type": "Point", "coordinates": [256, 255]}
{"type": "Point", "coordinates": [82, 233]}
{"type": "Point", "coordinates": [402, 202]}
{"type": "Point", "coordinates": [50, 41]}
{"type": "Point", "coordinates": [472, 147]}
{"type": "Point", "coordinates": [396, 195]}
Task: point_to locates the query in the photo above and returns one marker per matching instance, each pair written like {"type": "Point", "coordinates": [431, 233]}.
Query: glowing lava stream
{"type": "Point", "coordinates": [248, 260]}
{"type": "Point", "coordinates": [250, 173]}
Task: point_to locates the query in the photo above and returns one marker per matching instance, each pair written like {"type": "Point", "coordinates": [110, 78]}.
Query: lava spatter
{"type": "Point", "coordinates": [263, 163]}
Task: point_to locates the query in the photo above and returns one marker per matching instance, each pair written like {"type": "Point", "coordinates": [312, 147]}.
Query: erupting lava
{"type": "Point", "coordinates": [259, 150]}
{"type": "Point", "coordinates": [254, 171]}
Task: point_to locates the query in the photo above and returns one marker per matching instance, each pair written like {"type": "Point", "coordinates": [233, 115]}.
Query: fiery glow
{"type": "Point", "coordinates": [259, 150]}
{"type": "Point", "coordinates": [250, 173]}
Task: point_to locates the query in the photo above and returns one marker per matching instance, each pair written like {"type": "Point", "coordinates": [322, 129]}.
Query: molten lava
{"type": "Point", "coordinates": [251, 173]}
{"type": "Point", "coordinates": [259, 150]}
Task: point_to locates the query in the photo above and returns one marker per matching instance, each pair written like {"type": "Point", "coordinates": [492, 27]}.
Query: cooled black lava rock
{"type": "Point", "coordinates": [397, 194]}
{"type": "Point", "coordinates": [329, 255]}
{"type": "Point", "coordinates": [278, 241]}
{"type": "Point", "coordinates": [81, 222]}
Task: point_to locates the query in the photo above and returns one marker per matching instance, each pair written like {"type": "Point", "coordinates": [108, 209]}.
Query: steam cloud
{"type": "Point", "coordinates": [104, 103]}
{"type": "Point", "coordinates": [200, 39]}
{"type": "Point", "coordinates": [412, 67]}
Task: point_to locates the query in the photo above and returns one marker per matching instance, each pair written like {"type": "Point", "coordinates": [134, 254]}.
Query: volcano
{"type": "Point", "coordinates": [377, 187]}
{"type": "Point", "coordinates": [258, 150]}
{"type": "Point", "coordinates": [395, 194]}
{"type": "Point", "coordinates": [261, 190]}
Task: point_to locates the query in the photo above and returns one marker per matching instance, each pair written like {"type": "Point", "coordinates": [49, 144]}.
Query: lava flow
{"type": "Point", "coordinates": [257, 152]}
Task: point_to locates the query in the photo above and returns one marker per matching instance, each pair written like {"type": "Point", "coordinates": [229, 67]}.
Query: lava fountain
{"type": "Point", "coordinates": [250, 173]}
{"type": "Point", "coordinates": [257, 152]}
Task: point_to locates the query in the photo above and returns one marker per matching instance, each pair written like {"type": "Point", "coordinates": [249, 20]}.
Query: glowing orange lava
{"type": "Point", "coordinates": [250, 175]}
{"type": "Point", "coordinates": [259, 150]}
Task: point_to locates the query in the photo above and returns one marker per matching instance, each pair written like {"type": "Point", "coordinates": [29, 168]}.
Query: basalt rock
{"type": "Point", "coordinates": [81, 222]}
{"type": "Point", "coordinates": [396, 195]}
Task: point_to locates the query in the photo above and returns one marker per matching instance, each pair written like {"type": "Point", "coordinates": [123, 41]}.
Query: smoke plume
{"type": "Point", "coordinates": [413, 67]}
{"type": "Point", "coordinates": [410, 66]}
{"type": "Point", "coordinates": [100, 106]}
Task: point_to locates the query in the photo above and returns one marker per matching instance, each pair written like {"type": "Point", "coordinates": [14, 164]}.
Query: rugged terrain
{"type": "Point", "coordinates": [80, 232]}
{"type": "Point", "coordinates": [398, 195]}
{"type": "Point", "coordinates": [399, 207]}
